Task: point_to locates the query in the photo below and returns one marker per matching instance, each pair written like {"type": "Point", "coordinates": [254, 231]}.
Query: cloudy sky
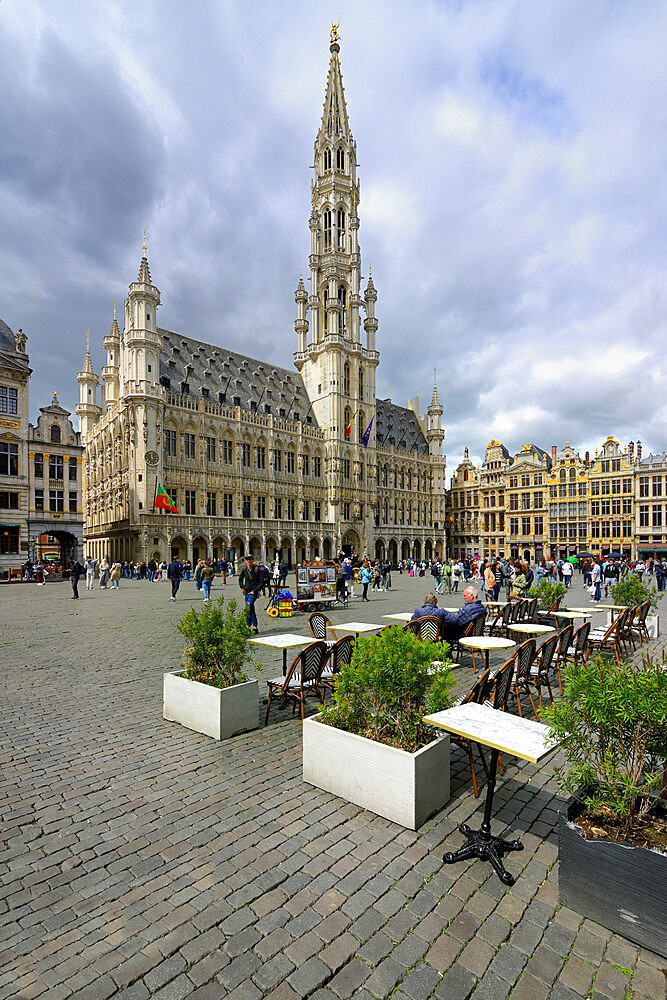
{"type": "Point", "coordinates": [513, 169]}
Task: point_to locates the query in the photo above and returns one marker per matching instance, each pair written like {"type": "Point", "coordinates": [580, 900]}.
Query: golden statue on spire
{"type": "Point", "coordinates": [145, 246]}
{"type": "Point", "coordinates": [334, 32]}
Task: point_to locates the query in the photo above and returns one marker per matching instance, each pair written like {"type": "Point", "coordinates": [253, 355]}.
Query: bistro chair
{"type": "Point", "coordinates": [609, 639]}
{"type": "Point", "coordinates": [428, 627]}
{"type": "Point", "coordinates": [638, 622]}
{"type": "Point", "coordinates": [541, 668]}
{"type": "Point", "coordinates": [531, 610]}
{"type": "Point", "coordinates": [477, 693]}
{"type": "Point", "coordinates": [523, 658]}
{"type": "Point", "coordinates": [625, 636]}
{"type": "Point", "coordinates": [500, 687]}
{"type": "Point", "coordinates": [579, 645]}
{"type": "Point", "coordinates": [339, 654]}
{"type": "Point", "coordinates": [517, 611]}
{"type": "Point", "coordinates": [412, 626]}
{"type": "Point", "coordinates": [318, 623]}
{"type": "Point", "coordinates": [303, 678]}
{"type": "Point", "coordinates": [562, 651]}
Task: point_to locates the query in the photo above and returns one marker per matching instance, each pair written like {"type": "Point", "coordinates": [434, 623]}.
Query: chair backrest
{"type": "Point", "coordinates": [525, 655]}
{"type": "Point", "coordinates": [555, 605]}
{"type": "Point", "coordinates": [517, 611]}
{"type": "Point", "coordinates": [564, 640]}
{"type": "Point", "coordinates": [546, 653]}
{"type": "Point", "coordinates": [643, 609]}
{"type": "Point", "coordinates": [579, 640]}
{"type": "Point", "coordinates": [478, 625]}
{"type": "Point", "coordinates": [412, 627]}
{"type": "Point", "coordinates": [503, 681]}
{"type": "Point", "coordinates": [311, 661]}
{"type": "Point", "coordinates": [532, 609]}
{"type": "Point", "coordinates": [317, 623]}
{"type": "Point", "coordinates": [477, 692]}
{"type": "Point", "coordinates": [342, 652]}
{"type": "Point", "coordinates": [613, 628]}
{"type": "Point", "coordinates": [507, 615]}
{"type": "Point", "coordinates": [428, 627]}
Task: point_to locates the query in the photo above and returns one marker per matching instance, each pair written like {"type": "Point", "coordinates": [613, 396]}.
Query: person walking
{"type": "Point", "coordinates": [206, 575]}
{"type": "Point", "coordinates": [104, 573]}
{"type": "Point", "coordinates": [75, 571]}
{"type": "Point", "coordinates": [115, 575]}
{"type": "Point", "coordinates": [489, 582]}
{"type": "Point", "coordinates": [223, 571]}
{"type": "Point", "coordinates": [174, 573]}
{"type": "Point", "coordinates": [596, 580]}
{"type": "Point", "coordinates": [90, 565]}
{"type": "Point", "coordinates": [250, 582]}
{"type": "Point", "coordinates": [365, 579]}
{"type": "Point", "coordinates": [198, 569]}
{"type": "Point", "coordinates": [567, 573]}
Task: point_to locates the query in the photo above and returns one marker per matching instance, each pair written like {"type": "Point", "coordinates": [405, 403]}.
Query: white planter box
{"type": "Point", "coordinates": [403, 787]}
{"type": "Point", "coordinates": [216, 712]}
{"type": "Point", "coordinates": [652, 624]}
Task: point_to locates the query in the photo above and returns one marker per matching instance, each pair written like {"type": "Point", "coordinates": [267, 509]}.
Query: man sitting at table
{"type": "Point", "coordinates": [453, 625]}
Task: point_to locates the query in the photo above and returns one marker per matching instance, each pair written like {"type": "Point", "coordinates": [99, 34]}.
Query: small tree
{"type": "Point", "coordinates": [217, 644]}
{"type": "Point", "coordinates": [546, 593]}
{"type": "Point", "coordinates": [612, 726]}
{"type": "Point", "coordinates": [630, 591]}
{"type": "Point", "coordinates": [388, 687]}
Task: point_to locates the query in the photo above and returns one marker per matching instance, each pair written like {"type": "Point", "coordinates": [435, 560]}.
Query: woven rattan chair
{"type": "Point", "coordinates": [339, 654]}
{"type": "Point", "coordinates": [428, 627]}
{"type": "Point", "coordinates": [625, 636]}
{"type": "Point", "coordinates": [579, 644]}
{"type": "Point", "coordinates": [318, 623]}
{"type": "Point", "coordinates": [523, 659]}
{"type": "Point", "coordinates": [541, 668]}
{"type": "Point", "coordinates": [531, 610]}
{"type": "Point", "coordinates": [562, 651]}
{"type": "Point", "coordinates": [600, 640]}
{"type": "Point", "coordinates": [498, 626]}
{"type": "Point", "coordinates": [303, 678]}
{"type": "Point", "coordinates": [638, 623]}
{"type": "Point", "coordinates": [477, 693]}
{"type": "Point", "coordinates": [412, 626]}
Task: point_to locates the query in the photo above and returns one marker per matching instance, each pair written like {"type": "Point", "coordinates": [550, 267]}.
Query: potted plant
{"type": "Point", "coordinates": [630, 591]}
{"type": "Point", "coordinates": [212, 694]}
{"type": "Point", "coordinates": [612, 726]}
{"type": "Point", "coordinates": [371, 745]}
{"type": "Point", "coordinates": [546, 593]}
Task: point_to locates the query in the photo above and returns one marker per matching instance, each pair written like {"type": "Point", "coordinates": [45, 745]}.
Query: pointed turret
{"type": "Point", "coordinates": [141, 343]}
{"type": "Point", "coordinates": [110, 372]}
{"type": "Point", "coordinates": [334, 115]}
{"type": "Point", "coordinates": [87, 409]}
{"type": "Point", "coordinates": [301, 323]}
{"type": "Point", "coordinates": [370, 323]}
{"type": "Point", "coordinates": [435, 434]}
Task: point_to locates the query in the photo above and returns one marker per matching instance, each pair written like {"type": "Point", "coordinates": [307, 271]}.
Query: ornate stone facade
{"type": "Point", "coordinates": [258, 458]}
{"type": "Point", "coordinates": [14, 416]}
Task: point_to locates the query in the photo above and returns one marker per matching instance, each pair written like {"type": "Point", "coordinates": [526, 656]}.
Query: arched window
{"type": "Point", "coordinates": [385, 511]}
{"type": "Point", "coordinates": [327, 227]}
{"type": "Point", "coordinates": [361, 383]}
{"type": "Point", "coordinates": [55, 433]}
{"type": "Point", "coordinates": [402, 479]}
{"type": "Point", "coordinates": [385, 475]}
{"type": "Point", "coordinates": [562, 475]}
{"type": "Point", "coordinates": [342, 299]}
{"type": "Point", "coordinates": [327, 159]}
{"type": "Point", "coordinates": [409, 511]}
{"type": "Point", "coordinates": [573, 475]}
{"type": "Point", "coordinates": [340, 159]}
{"type": "Point", "coordinates": [409, 479]}
{"type": "Point", "coordinates": [346, 379]}
{"type": "Point", "coordinates": [325, 300]}
{"type": "Point", "coordinates": [361, 426]}
{"type": "Point", "coordinates": [340, 224]}
{"type": "Point", "coordinates": [402, 511]}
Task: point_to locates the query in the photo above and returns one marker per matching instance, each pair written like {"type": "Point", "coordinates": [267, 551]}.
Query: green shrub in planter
{"type": "Point", "coordinates": [546, 593]}
{"type": "Point", "coordinates": [612, 726]}
{"type": "Point", "coordinates": [630, 591]}
{"type": "Point", "coordinates": [389, 686]}
{"type": "Point", "coordinates": [217, 647]}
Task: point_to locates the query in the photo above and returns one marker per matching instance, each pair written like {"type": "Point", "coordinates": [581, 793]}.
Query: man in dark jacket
{"type": "Point", "coordinates": [454, 625]}
{"type": "Point", "coordinates": [174, 573]}
{"type": "Point", "coordinates": [250, 582]}
{"type": "Point", "coordinates": [75, 571]}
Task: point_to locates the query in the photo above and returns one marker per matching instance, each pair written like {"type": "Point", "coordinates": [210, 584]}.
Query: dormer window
{"type": "Point", "coordinates": [204, 391]}
{"type": "Point", "coordinates": [237, 400]}
{"type": "Point", "coordinates": [185, 388]}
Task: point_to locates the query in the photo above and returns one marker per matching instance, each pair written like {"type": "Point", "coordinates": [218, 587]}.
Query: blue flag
{"type": "Point", "coordinates": [367, 433]}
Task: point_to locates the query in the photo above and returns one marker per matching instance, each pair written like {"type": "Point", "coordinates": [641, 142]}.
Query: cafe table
{"type": "Point", "coordinates": [356, 627]}
{"type": "Point", "coordinates": [500, 731]}
{"type": "Point", "coordinates": [613, 607]}
{"type": "Point", "coordinates": [595, 609]}
{"type": "Point", "coordinates": [569, 615]}
{"type": "Point", "coordinates": [284, 641]}
{"type": "Point", "coordinates": [486, 643]}
{"type": "Point", "coordinates": [531, 628]}
{"type": "Point", "coordinates": [400, 616]}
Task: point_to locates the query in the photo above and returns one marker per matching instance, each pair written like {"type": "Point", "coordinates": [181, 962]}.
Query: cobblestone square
{"type": "Point", "coordinates": [139, 859]}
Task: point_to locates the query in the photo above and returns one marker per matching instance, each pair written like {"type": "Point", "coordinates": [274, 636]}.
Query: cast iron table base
{"type": "Point", "coordinates": [482, 844]}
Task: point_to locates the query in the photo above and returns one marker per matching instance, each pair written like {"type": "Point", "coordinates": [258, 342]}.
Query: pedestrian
{"type": "Point", "coordinates": [365, 579]}
{"type": "Point", "coordinates": [567, 571]}
{"type": "Point", "coordinates": [610, 576]}
{"type": "Point", "coordinates": [223, 570]}
{"type": "Point", "coordinates": [596, 580]}
{"type": "Point", "coordinates": [206, 575]}
{"type": "Point", "coordinates": [250, 582]}
{"type": "Point", "coordinates": [198, 569]}
{"type": "Point", "coordinates": [174, 573]}
{"type": "Point", "coordinates": [115, 575]}
{"type": "Point", "coordinates": [489, 581]}
{"type": "Point", "coordinates": [75, 571]}
{"type": "Point", "coordinates": [90, 565]}
{"type": "Point", "coordinates": [104, 573]}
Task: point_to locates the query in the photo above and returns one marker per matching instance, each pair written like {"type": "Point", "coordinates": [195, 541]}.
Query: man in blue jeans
{"type": "Point", "coordinates": [174, 573]}
{"type": "Point", "coordinates": [250, 582]}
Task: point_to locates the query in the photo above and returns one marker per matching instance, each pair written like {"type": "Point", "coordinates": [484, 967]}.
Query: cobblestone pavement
{"type": "Point", "coordinates": [140, 859]}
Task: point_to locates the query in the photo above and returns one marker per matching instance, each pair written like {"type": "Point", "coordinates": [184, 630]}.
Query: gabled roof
{"type": "Point", "coordinates": [7, 342]}
{"type": "Point", "coordinates": [238, 376]}
{"type": "Point", "coordinates": [398, 426]}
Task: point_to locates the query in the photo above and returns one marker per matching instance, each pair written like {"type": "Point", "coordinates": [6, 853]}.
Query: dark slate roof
{"type": "Point", "coordinates": [218, 370]}
{"type": "Point", "coordinates": [541, 452]}
{"type": "Point", "coordinates": [7, 342]}
{"type": "Point", "coordinates": [397, 425]}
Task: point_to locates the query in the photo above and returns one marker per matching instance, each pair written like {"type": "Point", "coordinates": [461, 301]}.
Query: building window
{"type": "Point", "coordinates": [190, 501]}
{"type": "Point", "coordinates": [346, 379]}
{"type": "Point", "coordinates": [327, 228]}
{"type": "Point", "coordinates": [9, 541]}
{"type": "Point", "coordinates": [56, 467]}
{"type": "Point", "coordinates": [525, 501]}
{"type": "Point", "coordinates": [513, 483]}
{"type": "Point", "coordinates": [318, 511]}
{"type": "Point", "coordinates": [657, 517]}
{"type": "Point", "coordinates": [170, 442]}
{"type": "Point", "coordinates": [55, 434]}
{"type": "Point", "coordinates": [211, 504]}
{"type": "Point", "coordinates": [9, 501]}
{"type": "Point", "coordinates": [189, 442]}
{"type": "Point", "coordinates": [261, 506]}
{"type": "Point", "coordinates": [39, 500]}
{"type": "Point", "coordinates": [346, 468]}
{"type": "Point", "coordinates": [290, 510]}
{"type": "Point", "coordinates": [605, 487]}
{"type": "Point", "coordinates": [340, 158]}
{"type": "Point", "coordinates": [595, 530]}
{"type": "Point", "coordinates": [627, 505]}
{"type": "Point", "coordinates": [227, 505]}
{"type": "Point", "coordinates": [361, 383]}
{"type": "Point", "coordinates": [277, 460]}
{"type": "Point", "coordinates": [317, 467]}
{"type": "Point", "coordinates": [173, 493]}
{"type": "Point", "coordinates": [595, 508]}
{"type": "Point", "coordinates": [72, 470]}
{"type": "Point", "coordinates": [514, 526]}
{"type": "Point", "coordinates": [340, 228]}
{"type": "Point", "coordinates": [278, 508]}
{"type": "Point", "coordinates": [605, 508]}
{"type": "Point", "coordinates": [616, 486]}
{"type": "Point", "coordinates": [616, 505]}
{"type": "Point", "coordinates": [9, 459]}
{"type": "Point", "coordinates": [56, 501]}
{"type": "Point", "coordinates": [261, 456]}
{"type": "Point", "coordinates": [245, 455]}
{"type": "Point", "coordinates": [657, 486]}
{"type": "Point", "coordinates": [346, 510]}
{"type": "Point", "coordinates": [227, 452]}
{"type": "Point", "coordinates": [327, 159]}
{"type": "Point", "coordinates": [210, 449]}
{"type": "Point", "coordinates": [39, 466]}
{"type": "Point", "coordinates": [9, 399]}
{"type": "Point", "coordinates": [539, 526]}
{"type": "Point", "coordinates": [305, 465]}
{"type": "Point", "coordinates": [627, 485]}
{"type": "Point", "coordinates": [72, 501]}
{"type": "Point", "coordinates": [306, 510]}
{"type": "Point", "coordinates": [525, 526]}
{"type": "Point", "coordinates": [290, 462]}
